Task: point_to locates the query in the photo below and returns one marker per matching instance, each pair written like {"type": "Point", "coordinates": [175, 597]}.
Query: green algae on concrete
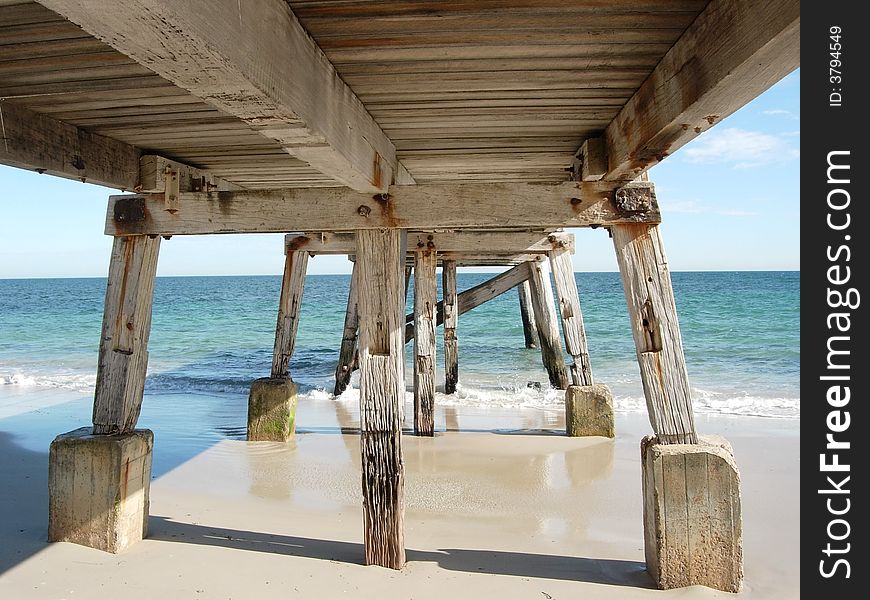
{"type": "Point", "coordinates": [272, 410]}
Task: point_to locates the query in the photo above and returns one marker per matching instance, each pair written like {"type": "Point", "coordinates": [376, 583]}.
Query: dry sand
{"type": "Point", "coordinates": [517, 513]}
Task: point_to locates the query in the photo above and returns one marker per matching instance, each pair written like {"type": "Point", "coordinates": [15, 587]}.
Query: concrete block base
{"type": "Point", "coordinates": [691, 509]}
{"type": "Point", "coordinates": [588, 411]}
{"type": "Point", "coordinates": [272, 410]}
{"type": "Point", "coordinates": [98, 488]}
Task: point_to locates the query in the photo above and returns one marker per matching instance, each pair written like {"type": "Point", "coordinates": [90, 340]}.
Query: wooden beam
{"type": "Point", "coordinates": [418, 207]}
{"type": "Point", "coordinates": [474, 297]}
{"type": "Point", "coordinates": [158, 175]}
{"type": "Point", "coordinates": [123, 358]}
{"type": "Point", "coordinates": [462, 241]}
{"type": "Point", "coordinates": [568, 299]}
{"type": "Point", "coordinates": [382, 395]}
{"type": "Point", "coordinates": [548, 329]}
{"type": "Point", "coordinates": [451, 319]}
{"type": "Point", "coordinates": [425, 299]}
{"type": "Point", "coordinates": [39, 143]}
{"type": "Point", "coordinates": [292, 286]}
{"type": "Point", "coordinates": [527, 314]}
{"type": "Point", "coordinates": [347, 354]}
{"type": "Point", "coordinates": [651, 307]}
{"type": "Point", "coordinates": [593, 159]}
{"type": "Point", "coordinates": [255, 61]}
{"type": "Point", "coordinates": [731, 53]}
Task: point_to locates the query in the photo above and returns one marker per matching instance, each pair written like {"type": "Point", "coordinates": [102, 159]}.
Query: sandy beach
{"type": "Point", "coordinates": [498, 505]}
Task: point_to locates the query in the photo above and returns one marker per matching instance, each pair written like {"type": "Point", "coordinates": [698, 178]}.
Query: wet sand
{"type": "Point", "coordinates": [498, 505]}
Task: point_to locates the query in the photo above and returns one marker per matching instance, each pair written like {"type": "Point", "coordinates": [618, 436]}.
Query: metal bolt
{"type": "Point", "coordinates": [364, 211]}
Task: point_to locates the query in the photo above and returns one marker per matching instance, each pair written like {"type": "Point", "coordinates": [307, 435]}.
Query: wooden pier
{"type": "Point", "coordinates": [407, 135]}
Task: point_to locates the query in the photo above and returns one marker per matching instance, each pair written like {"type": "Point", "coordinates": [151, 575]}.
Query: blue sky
{"type": "Point", "coordinates": [730, 201]}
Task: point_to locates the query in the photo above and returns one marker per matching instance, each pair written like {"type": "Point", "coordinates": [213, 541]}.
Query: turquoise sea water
{"type": "Point", "coordinates": [213, 335]}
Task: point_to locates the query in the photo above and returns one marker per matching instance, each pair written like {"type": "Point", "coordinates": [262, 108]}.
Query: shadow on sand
{"type": "Point", "coordinates": [571, 568]}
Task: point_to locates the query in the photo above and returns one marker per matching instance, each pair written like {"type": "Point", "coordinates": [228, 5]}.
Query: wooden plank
{"type": "Point", "coordinates": [548, 329]}
{"type": "Point", "coordinates": [123, 358]}
{"type": "Point", "coordinates": [530, 329]}
{"type": "Point", "coordinates": [382, 393]}
{"type": "Point", "coordinates": [348, 351]}
{"type": "Point", "coordinates": [255, 62]}
{"type": "Point", "coordinates": [425, 299]}
{"type": "Point", "coordinates": [35, 142]}
{"type": "Point", "coordinates": [449, 306]}
{"type": "Point", "coordinates": [656, 330]}
{"type": "Point", "coordinates": [292, 286]}
{"type": "Point", "coordinates": [474, 297]}
{"type": "Point", "coordinates": [478, 242]}
{"type": "Point", "coordinates": [572, 318]}
{"type": "Point", "coordinates": [574, 204]}
{"type": "Point", "coordinates": [413, 8]}
{"type": "Point", "coordinates": [730, 54]}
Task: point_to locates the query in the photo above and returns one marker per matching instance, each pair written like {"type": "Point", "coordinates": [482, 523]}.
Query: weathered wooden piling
{"type": "Point", "coordinates": [530, 329]}
{"type": "Point", "coordinates": [425, 300]}
{"type": "Point", "coordinates": [548, 329]}
{"type": "Point", "coordinates": [572, 318]}
{"type": "Point", "coordinates": [272, 400]}
{"type": "Point", "coordinates": [292, 286]}
{"type": "Point", "coordinates": [380, 260]}
{"type": "Point", "coordinates": [451, 320]}
{"type": "Point", "coordinates": [123, 358]}
{"type": "Point", "coordinates": [348, 350]}
{"type": "Point", "coordinates": [113, 459]}
{"type": "Point", "coordinates": [653, 314]}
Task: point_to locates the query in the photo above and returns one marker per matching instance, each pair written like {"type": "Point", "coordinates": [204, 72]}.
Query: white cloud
{"type": "Point", "coordinates": [697, 207]}
{"type": "Point", "coordinates": [776, 111]}
{"type": "Point", "coordinates": [733, 212]}
{"type": "Point", "coordinates": [741, 147]}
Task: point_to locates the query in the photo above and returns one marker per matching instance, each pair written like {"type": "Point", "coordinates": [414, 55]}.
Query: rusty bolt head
{"type": "Point", "coordinates": [381, 197]}
{"type": "Point", "coordinates": [364, 211]}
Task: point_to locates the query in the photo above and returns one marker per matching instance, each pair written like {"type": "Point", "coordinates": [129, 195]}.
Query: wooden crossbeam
{"type": "Point", "coordinates": [39, 143]}
{"type": "Point", "coordinates": [465, 242]}
{"type": "Point", "coordinates": [255, 61]}
{"type": "Point", "coordinates": [415, 207]}
{"type": "Point", "coordinates": [474, 297]}
{"type": "Point", "coordinates": [731, 53]}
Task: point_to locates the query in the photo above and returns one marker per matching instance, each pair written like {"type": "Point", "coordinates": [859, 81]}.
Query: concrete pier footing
{"type": "Point", "coordinates": [272, 410]}
{"type": "Point", "coordinates": [98, 487]}
{"type": "Point", "coordinates": [589, 411]}
{"type": "Point", "coordinates": [692, 518]}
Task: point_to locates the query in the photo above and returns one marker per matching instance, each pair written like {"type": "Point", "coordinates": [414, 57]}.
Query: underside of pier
{"type": "Point", "coordinates": [406, 134]}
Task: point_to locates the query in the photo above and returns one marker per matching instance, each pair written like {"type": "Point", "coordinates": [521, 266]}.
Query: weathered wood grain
{"type": "Point", "coordinates": [730, 54]}
{"type": "Point", "coordinates": [421, 207]}
{"type": "Point", "coordinates": [572, 318]}
{"type": "Point", "coordinates": [348, 351]}
{"type": "Point", "coordinates": [548, 328]}
{"type": "Point", "coordinates": [530, 330]}
{"type": "Point", "coordinates": [656, 330]}
{"type": "Point", "coordinates": [382, 391]}
{"type": "Point", "coordinates": [425, 299]}
{"type": "Point", "coordinates": [123, 358]}
{"type": "Point", "coordinates": [449, 305]}
{"type": "Point", "coordinates": [463, 241]}
{"type": "Point", "coordinates": [256, 62]}
{"type": "Point", "coordinates": [39, 143]}
{"type": "Point", "coordinates": [292, 286]}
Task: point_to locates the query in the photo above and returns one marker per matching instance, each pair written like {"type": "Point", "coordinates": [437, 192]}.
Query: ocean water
{"type": "Point", "coordinates": [213, 335]}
